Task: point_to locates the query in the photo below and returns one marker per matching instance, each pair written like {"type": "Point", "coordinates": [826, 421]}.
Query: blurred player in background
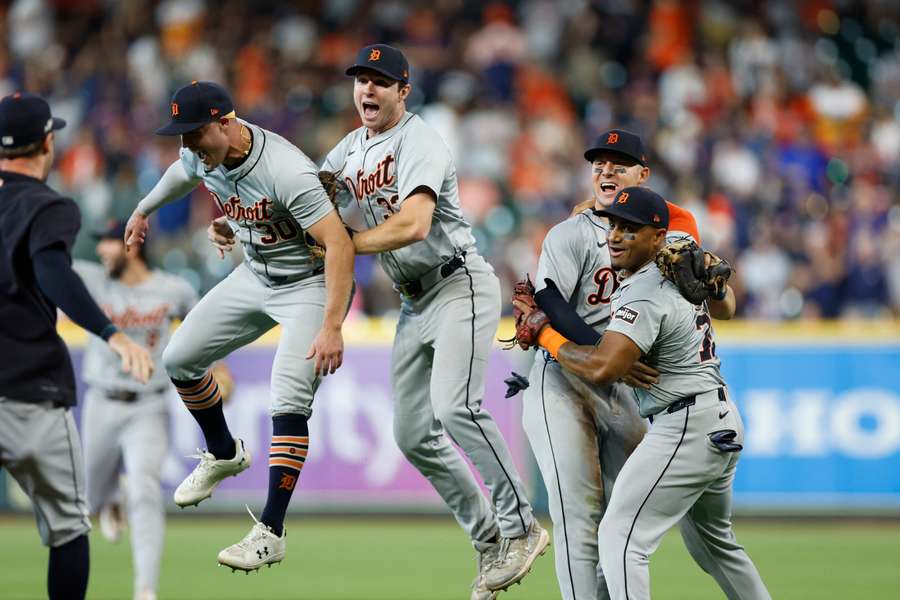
{"type": "Point", "coordinates": [125, 423]}
{"type": "Point", "coordinates": [39, 444]}
{"type": "Point", "coordinates": [274, 203]}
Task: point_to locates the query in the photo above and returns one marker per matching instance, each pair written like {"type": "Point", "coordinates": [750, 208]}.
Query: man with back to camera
{"type": "Point", "coordinates": [684, 467]}
{"type": "Point", "coordinates": [275, 204]}
{"type": "Point", "coordinates": [401, 175]}
{"type": "Point", "coordinates": [39, 443]}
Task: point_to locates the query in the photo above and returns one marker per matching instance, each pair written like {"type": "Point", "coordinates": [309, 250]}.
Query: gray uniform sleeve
{"type": "Point", "coordinates": [639, 319]}
{"type": "Point", "coordinates": [180, 178]}
{"type": "Point", "coordinates": [562, 256]}
{"type": "Point", "coordinates": [422, 160]}
{"type": "Point", "coordinates": [302, 194]}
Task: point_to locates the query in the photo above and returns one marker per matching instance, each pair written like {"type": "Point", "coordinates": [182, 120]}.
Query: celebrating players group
{"type": "Point", "coordinates": [625, 407]}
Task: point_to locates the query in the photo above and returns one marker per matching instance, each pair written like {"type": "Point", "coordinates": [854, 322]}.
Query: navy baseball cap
{"type": "Point", "coordinates": [621, 141]}
{"type": "Point", "coordinates": [385, 59]}
{"type": "Point", "coordinates": [195, 105]}
{"type": "Point", "coordinates": [114, 229]}
{"type": "Point", "coordinates": [639, 205]}
{"type": "Point", "coordinates": [24, 119]}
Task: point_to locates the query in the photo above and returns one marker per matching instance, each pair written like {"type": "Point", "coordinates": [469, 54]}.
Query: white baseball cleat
{"type": "Point", "coordinates": [258, 548]}
{"type": "Point", "coordinates": [199, 485]}
{"type": "Point", "coordinates": [516, 557]}
{"type": "Point", "coordinates": [112, 521]}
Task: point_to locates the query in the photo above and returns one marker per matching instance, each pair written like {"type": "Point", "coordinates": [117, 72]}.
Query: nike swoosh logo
{"type": "Point", "coordinates": [722, 414]}
{"type": "Point", "coordinates": [599, 245]}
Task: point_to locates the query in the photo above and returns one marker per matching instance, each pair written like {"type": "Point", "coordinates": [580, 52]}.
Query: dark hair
{"type": "Point", "coordinates": [26, 151]}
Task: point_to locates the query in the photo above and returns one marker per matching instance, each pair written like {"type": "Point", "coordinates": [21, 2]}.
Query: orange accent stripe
{"type": "Point", "coordinates": [284, 462]}
{"type": "Point", "coordinates": [287, 450]}
{"type": "Point", "coordinates": [200, 406]}
{"type": "Point", "coordinates": [202, 394]}
{"type": "Point", "coordinates": [290, 439]}
{"type": "Point", "coordinates": [193, 389]}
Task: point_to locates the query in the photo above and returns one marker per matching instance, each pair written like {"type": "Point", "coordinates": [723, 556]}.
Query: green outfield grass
{"type": "Point", "coordinates": [430, 559]}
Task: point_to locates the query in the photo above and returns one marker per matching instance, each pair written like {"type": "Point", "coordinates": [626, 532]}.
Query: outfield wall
{"type": "Point", "coordinates": [821, 407]}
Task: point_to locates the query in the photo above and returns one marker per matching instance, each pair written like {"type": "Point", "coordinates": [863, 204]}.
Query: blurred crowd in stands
{"type": "Point", "coordinates": [776, 123]}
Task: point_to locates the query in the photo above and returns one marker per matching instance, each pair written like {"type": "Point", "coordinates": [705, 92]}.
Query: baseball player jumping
{"type": "Point", "coordinates": [273, 201]}
{"type": "Point", "coordinates": [125, 423]}
{"type": "Point", "coordinates": [39, 444]}
{"type": "Point", "coordinates": [570, 423]}
{"type": "Point", "coordinates": [400, 173]}
{"type": "Point", "coordinates": [684, 467]}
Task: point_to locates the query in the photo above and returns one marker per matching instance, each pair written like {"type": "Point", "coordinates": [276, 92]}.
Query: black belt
{"type": "Point", "coordinates": [410, 289]}
{"type": "Point", "coordinates": [688, 401]}
{"type": "Point", "coordinates": [129, 396]}
{"type": "Point", "coordinates": [283, 279]}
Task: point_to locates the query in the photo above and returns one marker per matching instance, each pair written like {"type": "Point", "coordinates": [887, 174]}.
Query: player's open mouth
{"type": "Point", "coordinates": [370, 110]}
{"type": "Point", "coordinates": [608, 187]}
{"type": "Point", "coordinates": [202, 155]}
{"type": "Point", "coordinates": [615, 251]}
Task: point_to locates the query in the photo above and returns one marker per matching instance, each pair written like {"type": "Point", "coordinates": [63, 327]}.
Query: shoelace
{"type": "Point", "coordinates": [205, 463]}
{"type": "Point", "coordinates": [258, 531]}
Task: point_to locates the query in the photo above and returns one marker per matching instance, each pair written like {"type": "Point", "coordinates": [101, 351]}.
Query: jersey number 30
{"type": "Point", "coordinates": [283, 229]}
{"type": "Point", "coordinates": [708, 349]}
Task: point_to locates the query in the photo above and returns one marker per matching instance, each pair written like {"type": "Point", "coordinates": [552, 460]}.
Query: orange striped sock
{"type": "Point", "coordinates": [287, 454]}
{"type": "Point", "coordinates": [203, 400]}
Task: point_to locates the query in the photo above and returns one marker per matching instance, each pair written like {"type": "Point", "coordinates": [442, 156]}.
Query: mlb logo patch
{"type": "Point", "coordinates": [626, 314]}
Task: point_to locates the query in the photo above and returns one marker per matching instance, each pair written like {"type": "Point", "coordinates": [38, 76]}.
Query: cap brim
{"type": "Point", "coordinates": [625, 216]}
{"type": "Point", "coordinates": [174, 128]}
{"type": "Point", "coordinates": [589, 154]}
{"type": "Point", "coordinates": [351, 71]}
{"type": "Point", "coordinates": [58, 123]}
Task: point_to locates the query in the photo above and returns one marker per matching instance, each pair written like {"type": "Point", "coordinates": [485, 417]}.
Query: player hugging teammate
{"type": "Point", "coordinates": [671, 365]}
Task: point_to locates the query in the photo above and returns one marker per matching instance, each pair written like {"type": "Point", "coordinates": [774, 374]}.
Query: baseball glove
{"type": "Point", "coordinates": [529, 325]}
{"type": "Point", "coordinates": [684, 263]}
{"type": "Point", "coordinates": [336, 191]}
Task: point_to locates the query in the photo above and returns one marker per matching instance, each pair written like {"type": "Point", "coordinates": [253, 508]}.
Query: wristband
{"type": "Point", "coordinates": [551, 340]}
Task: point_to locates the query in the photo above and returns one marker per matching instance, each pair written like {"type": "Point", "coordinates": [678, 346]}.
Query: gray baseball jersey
{"type": "Point", "coordinates": [570, 423]}
{"type": "Point", "coordinates": [675, 336]}
{"type": "Point", "coordinates": [382, 171]}
{"type": "Point", "coordinates": [144, 312]}
{"type": "Point", "coordinates": [683, 470]}
{"type": "Point", "coordinates": [128, 430]}
{"type": "Point", "coordinates": [270, 200]}
{"type": "Point", "coordinates": [445, 332]}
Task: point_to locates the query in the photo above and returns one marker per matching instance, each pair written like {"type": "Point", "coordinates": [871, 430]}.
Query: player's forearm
{"type": "Point", "coordinates": [587, 363]}
{"type": "Point", "coordinates": [398, 231]}
{"type": "Point", "coordinates": [723, 309]}
{"type": "Point", "coordinates": [174, 184]}
{"type": "Point", "coordinates": [338, 281]}
{"type": "Point", "coordinates": [564, 318]}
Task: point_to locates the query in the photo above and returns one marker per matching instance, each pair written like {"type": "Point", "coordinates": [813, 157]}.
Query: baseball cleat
{"type": "Point", "coordinates": [112, 521]}
{"type": "Point", "coordinates": [199, 485]}
{"type": "Point", "coordinates": [258, 548]}
{"type": "Point", "coordinates": [516, 557]}
{"type": "Point", "coordinates": [485, 560]}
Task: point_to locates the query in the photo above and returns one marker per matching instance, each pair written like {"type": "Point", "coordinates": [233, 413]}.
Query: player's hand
{"type": "Point", "coordinates": [525, 308]}
{"type": "Point", "coordinates": [135, 359]}
{"type": "Point", "coordinates": [641, 376]}
{"type": "Point", "coordinates": [328, 350]}
{"type": "Point", "coordinates": [581, 206]}
{"type": "Point", "coordinates": [136, 229]}
{"type": "Point", "coordinates": [221, 236]}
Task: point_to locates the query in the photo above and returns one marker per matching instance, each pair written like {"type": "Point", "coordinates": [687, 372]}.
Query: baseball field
{"type": "Point", "coordinates": [429, 559]}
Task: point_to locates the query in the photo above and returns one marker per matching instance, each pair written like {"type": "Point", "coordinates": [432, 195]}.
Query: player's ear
{"type": "Point", "coordinates": [404, 90]}
{"type": "Point", "coordinates": [645, 175]}
{"type": "Point", "coordinates": [47, 144]}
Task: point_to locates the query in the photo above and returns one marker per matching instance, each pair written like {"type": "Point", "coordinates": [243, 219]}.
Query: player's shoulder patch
{"type": "Point", "coordinates": [629, 315]}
